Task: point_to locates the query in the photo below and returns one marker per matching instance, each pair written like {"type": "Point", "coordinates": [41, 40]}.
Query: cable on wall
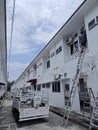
{"type": "Point", "coordinates": [11, 34]}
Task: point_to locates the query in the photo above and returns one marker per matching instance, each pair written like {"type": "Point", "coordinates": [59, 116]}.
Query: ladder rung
{"type": "Point", "coordinates": [86, 97]}
{"type": "Point", "coordinates": [95, 102]}
{"type": "Point", "coordinates": [67, 109]}
{"type": "Point", "coordinates": [93, 118]}
{"type": "Point", "coordinates": [94, 125]}
{"type": "Point", "coordinates": [87, 108]}
{"type": "Point", "coordinates": [95, 112]}
{"type": "Point", "coordinates": [95, 107]}
{"type": "Point", "coordinates": [86, 102]}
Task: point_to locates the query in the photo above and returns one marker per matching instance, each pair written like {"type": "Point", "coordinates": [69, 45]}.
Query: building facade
{"type": "Point", "coordinates": [54, 68]}
{"type": "Point", "coordinates": [3, 49]}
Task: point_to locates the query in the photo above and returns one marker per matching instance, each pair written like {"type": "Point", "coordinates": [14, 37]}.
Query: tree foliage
{"type": "Point", "coordinates": [9, 84]}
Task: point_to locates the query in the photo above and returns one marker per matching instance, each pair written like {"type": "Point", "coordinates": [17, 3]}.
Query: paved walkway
{"type": "Point", "coordinates": [54, 122]}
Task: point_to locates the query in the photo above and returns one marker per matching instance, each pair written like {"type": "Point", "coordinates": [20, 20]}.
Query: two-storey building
{"type": "Point", "coordinates": [3, 49]}
{"type": "Point", "coordinates": [54, 68]}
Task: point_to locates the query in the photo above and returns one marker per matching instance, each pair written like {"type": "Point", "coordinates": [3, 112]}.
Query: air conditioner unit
{"type": "Point", "coordinates": [69, 40]}
{"type": "Point", "coordinates": [56, 76]}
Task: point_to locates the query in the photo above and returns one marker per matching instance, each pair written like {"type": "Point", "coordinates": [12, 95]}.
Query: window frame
{"type": "Point", "coordinates": [97, 19]}
{"type": "Point", "coordinates": [48, 63]}
{"type": "Point", "coordinates": [56, 87]}
{"type": "Point", "coordinates": [47, 85]}
{"type": "Point", "coordinates": [39, 87]}
{"type": "Point", "coordinates": [91, 24]}
{"type": "Point", "coordinates": [43, 85]}
{"type": "Point", "coordinates": [58, 50]}
{"type": "Point", "coordinates": [74, 46]}
{"type": "Point", "coordinates": [67, 87]}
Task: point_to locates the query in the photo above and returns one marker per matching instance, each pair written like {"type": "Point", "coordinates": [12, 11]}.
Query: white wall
{"type": "Point", "coordinates": [53, 58]}
{"type": "Point", "coordinates": [92, 80]}
{"type": "Point", "coordinates": [92, 34]}
{"type": "Point", "coordinates": [57, 99]}
{"type": "Point", "coordinates": [39, 67]}
{"type": "Point", "coordinates": [66, 52]}
{"type": "Point", "coordinates": [3, 47]}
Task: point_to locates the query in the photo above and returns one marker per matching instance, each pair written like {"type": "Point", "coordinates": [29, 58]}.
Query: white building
{"type": "Point", "coordinates": [3, 48]}
{"type": "Point", "coordinates": [54, 68]}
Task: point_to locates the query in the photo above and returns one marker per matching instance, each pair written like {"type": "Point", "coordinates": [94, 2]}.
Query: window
{"type": "Point", "coordinates": [82, 85]}
{"type": "Point", "coordinates": [47, 85]}
{"type": "Point", "coordinates": [48, 64]}
{"type": "Point", "coordinates": [34, 87]}
{"type": "Point", "coordinates": [66, 87]}
{"type": "Point", "coordinates": [74, 47]}
{"type": "Point", "coordinates": [65, 74]}
{"type": "Point", "coordinates": [59, 50]}
{"type": "Point", "coordinates": [53, 87]}
{"type": "Point", "coordinates": [97, 19]}
{"type": "Point", "coordinates": [39, 87]}
{"type": "Point", "coordinates": [71, 48]}
{"type": "Point", "coordinates": [56, 86]}
{"type": "Point", "coordinates": [91, 24]}
{"type": "Point", "coordinates": [39, 64]}
{"type": "Point", "coordinates": [43, 85]}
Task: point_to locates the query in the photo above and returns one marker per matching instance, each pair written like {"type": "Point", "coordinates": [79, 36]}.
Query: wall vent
{"type": "Point", "coordinates": [65, 74]}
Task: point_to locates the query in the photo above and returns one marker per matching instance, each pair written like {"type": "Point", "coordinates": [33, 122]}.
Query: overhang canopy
{"type": "Point", "coordinates": [32, 81]}
{"type": "Point", "coordinates": [2, 83]}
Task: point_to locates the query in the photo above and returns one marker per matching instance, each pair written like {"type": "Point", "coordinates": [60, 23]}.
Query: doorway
{"type": "Point", "coordinates": [66, 93]}
{"type": "Point", "coordinates": [83, 93]}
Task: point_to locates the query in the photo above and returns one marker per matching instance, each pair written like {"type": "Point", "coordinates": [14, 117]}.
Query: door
{"type": "Point", "coordinates": [83, 91]}
{"type": "Point", "coordinates": [66, 93]}
{"type": "Point", "coordinates": [82, 85]}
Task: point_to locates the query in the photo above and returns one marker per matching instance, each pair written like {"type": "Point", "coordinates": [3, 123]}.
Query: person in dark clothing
{"type": "Point", "coordinates": [83, 39]}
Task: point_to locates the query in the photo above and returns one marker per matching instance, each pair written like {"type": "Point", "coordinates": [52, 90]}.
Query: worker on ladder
{"type": "Point", "coordinates": [83, 39]}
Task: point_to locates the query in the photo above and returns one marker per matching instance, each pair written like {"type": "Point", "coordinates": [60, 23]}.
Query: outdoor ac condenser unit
{"type": "Point", "coordinates": [56, 76]}
{"type": "Point", "coordinates": [69, 40]}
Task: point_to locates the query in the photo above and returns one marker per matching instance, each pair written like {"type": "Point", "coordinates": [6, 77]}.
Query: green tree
{"type": "Point", "coordinates": [9, 84]}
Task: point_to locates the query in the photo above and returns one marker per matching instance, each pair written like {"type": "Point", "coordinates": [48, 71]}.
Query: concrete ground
{"type": "Point", "coordinates": [54, 122]}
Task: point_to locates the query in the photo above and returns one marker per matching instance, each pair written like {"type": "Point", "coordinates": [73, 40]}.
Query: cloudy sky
{"type": "Point", "coordinates": [35, 23]}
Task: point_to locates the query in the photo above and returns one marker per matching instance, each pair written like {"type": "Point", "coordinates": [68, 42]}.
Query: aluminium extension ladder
{"type": "Point", "coordinates": [69, 105]}
{"type": "Point", "coordinates": [94, 115]}
{"type": "Point", "coordinates": [88, 99]}
{"type": "Point", "coordinates": [90, 104]}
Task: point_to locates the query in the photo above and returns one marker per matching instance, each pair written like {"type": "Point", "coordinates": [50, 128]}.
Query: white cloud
{"type": "Point", "coordinates": [21, 49]}
{"type": "Point", "coordinates": [16, 69]}
{"type": "Point", "coordinates": [42, 36]}
{"type": "Point", "coordinates": [44, 15]}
